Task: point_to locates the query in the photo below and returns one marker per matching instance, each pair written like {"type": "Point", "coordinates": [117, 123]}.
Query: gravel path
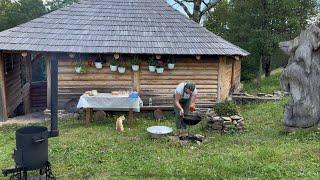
{"type": "Point", "coordinates": [25, 119]}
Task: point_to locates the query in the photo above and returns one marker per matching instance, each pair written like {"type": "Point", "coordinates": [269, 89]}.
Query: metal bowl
{"type": "Point", "coordinates": [158, 131]}
{"type": "Point", "coordinates": [191, 119]}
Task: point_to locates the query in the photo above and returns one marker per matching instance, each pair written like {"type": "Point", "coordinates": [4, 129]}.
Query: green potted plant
{"type": "Point", "coordinates": [135, 62]}
{"type": "Point", "coordinates": [98, 63]}
{"type": "Point", "coordinates": [152, 64]}
{"type": "Point", "coordinates": [171, 62]}
{"type": "Point", "coordinates": [122, 67]}
{"type": "Point", "coordinates": [81, 68]}
{"type": "Point", "coordinates": [159, 67]}
{"type": "Point", "coordinates": [113, 65]}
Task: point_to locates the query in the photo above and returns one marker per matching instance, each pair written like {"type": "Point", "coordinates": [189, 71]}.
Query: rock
{"type": "Point", "coordinates": [227, 119]}
{"type": "Point", "coordinates": [235, 117]}
{"type": "Point", "coordinates": [216, 118]}
{"type": "Point", "coordinates": [76, 115]}
{"type": "Point", "coordinates": [99, 116]}
{"type": "Point", "coordinates": [261, 94]}
{"type": "Point", "coordinates": [301, 78]}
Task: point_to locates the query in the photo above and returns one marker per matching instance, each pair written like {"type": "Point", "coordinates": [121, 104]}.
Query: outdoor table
{"type": "Point", "coordinates": [107, 101]}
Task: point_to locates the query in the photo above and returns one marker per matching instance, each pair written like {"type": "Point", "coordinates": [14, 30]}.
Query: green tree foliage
{"type": "Point", "coordinates": [18, 12]}
{"type": "Point", "coordinates": [258, 26]}
{"type": "Point", "coordinates": [57, 4]}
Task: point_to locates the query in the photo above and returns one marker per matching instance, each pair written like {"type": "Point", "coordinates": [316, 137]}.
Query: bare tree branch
{"type": "Point", "coordinates": [185, 8]}
{"type": "Point", "coordinates": [209, 6]}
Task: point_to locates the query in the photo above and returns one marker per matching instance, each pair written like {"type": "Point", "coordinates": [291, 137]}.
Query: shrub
{"type": "Point", "coordinates": [226, 108]}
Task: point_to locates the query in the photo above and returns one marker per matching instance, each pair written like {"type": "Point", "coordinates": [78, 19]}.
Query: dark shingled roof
{"type": "Point", "coordinates": [117, 26]}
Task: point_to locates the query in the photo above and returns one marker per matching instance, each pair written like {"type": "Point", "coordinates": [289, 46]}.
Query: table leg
{"type": "Point", "coordinates": [130, 118]}
{"type": "Point", "coordinates": [88, 115]}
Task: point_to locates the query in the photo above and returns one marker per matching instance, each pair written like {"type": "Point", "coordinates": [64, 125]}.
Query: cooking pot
{"type": "Point", "coordinates": [191, 119]}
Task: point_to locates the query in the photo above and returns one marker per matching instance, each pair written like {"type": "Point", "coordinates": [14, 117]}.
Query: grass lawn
{"type": "Point", "coordinates": [97, 151]}
{"type": "Point", "coordinates": [268, 84]}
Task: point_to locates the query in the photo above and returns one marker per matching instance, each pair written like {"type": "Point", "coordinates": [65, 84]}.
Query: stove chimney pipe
{"type": "Point", "coordinates": [54, 132]}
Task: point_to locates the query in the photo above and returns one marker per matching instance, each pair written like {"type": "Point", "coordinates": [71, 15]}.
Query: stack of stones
{"type": "Point", "coordinates": [224, 124]}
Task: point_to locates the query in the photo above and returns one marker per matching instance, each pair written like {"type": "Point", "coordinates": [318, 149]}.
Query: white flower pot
{"type": "Point", "coordinates": [78, 69]}
{"type": "Point", "coordinates": [121, 70]}
{"type": "Point", "coordinates": [98, 65]}
{"type": "Point", "coordinates": [135, 67]}
{"type": "Point", "coordinates": [159, 70]}
{"type": "Point", "coordinates": [152, 68]}
{"type": "Point", "coordinates": [113, 68]}
{"type": "Point", "coordinates": [170, 66]}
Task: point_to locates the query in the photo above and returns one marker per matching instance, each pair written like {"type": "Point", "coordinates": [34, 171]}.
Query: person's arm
{"type": "Point", "coordinates": [193, 102]}
{"type": "Point", "coordinates": [177, 98]}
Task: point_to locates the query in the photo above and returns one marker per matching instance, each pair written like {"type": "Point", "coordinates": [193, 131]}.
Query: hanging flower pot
{"type": "Point", "coordinates": [98, 65]}
{"type": "Point", "coordinates": [81, 68]}
{"type": "Point", "coordinates": [114, 65]}
{"type": "Point", "coordinates": [170, 66]}
{"type": "Point", "coordinates": [152, 64]}
{"type": "Point", "coordinates": [159, 70]}
{"type": "Point", "coordinates": [171, 62]}
{"type": "Point", "coordinates": [135, 67]}
{"type": "Point", "coordinates": [113, 68]}
{"type": "Point", "coordinates": [152, 68]}
{"type": "Point", "coordinates": [135, 62]}
{"type": "Point", "coordinates": [159, 67]}
{"type": "Point", "coordinates": [121, 70]}
{"type": "Point", "coordinates": [78, 70]}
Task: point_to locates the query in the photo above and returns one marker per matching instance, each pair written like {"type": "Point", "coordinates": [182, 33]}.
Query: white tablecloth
{"type": "Point", "coordinates": [106, 101]}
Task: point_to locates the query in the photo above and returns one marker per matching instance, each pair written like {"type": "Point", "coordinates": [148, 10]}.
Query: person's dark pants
{"type": "Point", "coordinates": [185, 105]}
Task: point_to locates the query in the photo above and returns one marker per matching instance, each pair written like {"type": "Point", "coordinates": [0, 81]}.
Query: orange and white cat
{"type": "Point", "coordinates": [119, 123]}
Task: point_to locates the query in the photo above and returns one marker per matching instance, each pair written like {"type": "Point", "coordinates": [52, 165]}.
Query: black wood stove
{"type": "Point", "coordinates": [31, 152]}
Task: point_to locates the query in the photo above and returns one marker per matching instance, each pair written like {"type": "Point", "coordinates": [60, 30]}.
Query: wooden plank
{"type": "Point", "coordinates": [3, 102]}
{"type": "Point", "coordinates": [176, 82]}
{"type": "Point", "coordinates": [220, 70]}
{"type": "Point", "coordinates": [136, 81]}
{"type": "Point", "coordinates": [93, 77]}
{"type": "Point", "coordinates": [94, 83]}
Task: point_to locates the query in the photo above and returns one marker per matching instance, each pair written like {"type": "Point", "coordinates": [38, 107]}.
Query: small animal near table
{"type": "Point", "coordinates": [109, 102]}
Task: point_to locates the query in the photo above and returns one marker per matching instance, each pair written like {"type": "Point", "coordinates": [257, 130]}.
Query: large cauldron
{"type": "Point", "coordinates": [31, 147]}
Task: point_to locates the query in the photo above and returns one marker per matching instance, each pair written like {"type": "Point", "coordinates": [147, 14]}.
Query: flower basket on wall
{"type": "Point", "coordinates": [135, 63]}
{"type": "Point", "coordinates": [152, 64]}
{"type": "Point", "coordinates": [81, 68]}
{"type": "Point", "coordinates": [159, 67]}
{"type": "Point", "coordinates": [171, 62]}
{"type": "Point", "coordinates": [114, 65]}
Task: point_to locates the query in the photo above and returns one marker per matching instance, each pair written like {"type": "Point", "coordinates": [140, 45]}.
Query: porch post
{"type": "Point", "coordinates": [3, 103]}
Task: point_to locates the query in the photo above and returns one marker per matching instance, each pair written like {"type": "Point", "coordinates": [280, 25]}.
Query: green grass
{"type": "Point", "coordinates": [268, 84]}
{"type": "Point", "coordinates": [97, 151]}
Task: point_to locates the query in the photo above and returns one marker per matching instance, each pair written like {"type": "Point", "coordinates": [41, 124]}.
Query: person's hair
{"type": "Point", "coordinates": [190, 85]}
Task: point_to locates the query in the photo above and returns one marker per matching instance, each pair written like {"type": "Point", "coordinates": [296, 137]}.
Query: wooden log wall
{"type": "Point", "coordinates": [72, 85]}
{"type": "Point", "coordinates": [161, 87]}
{"type": "Point", "coordinates": [38, 95]}
{"type": "Point", "coordinates": [237, 73]}
{"type": "Point", "coordinates": [229, 72]}
{"type": "Point", "coordinates": [13, 83]}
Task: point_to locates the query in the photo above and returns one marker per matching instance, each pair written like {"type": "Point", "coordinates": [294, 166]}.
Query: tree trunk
{"type": "Point", "coordinates": [196, 11]}
{"type": "Point", "coordinates": [267, 66]}
{"type": "Point", "coordinates": [259, 72]}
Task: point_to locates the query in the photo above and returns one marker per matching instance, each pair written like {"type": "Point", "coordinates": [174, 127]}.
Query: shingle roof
{"type": "Point", "coordinates": [117, 26]}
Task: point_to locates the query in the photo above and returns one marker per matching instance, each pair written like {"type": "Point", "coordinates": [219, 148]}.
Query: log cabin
{"type": "Point", "coordinates": [108, 30]}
